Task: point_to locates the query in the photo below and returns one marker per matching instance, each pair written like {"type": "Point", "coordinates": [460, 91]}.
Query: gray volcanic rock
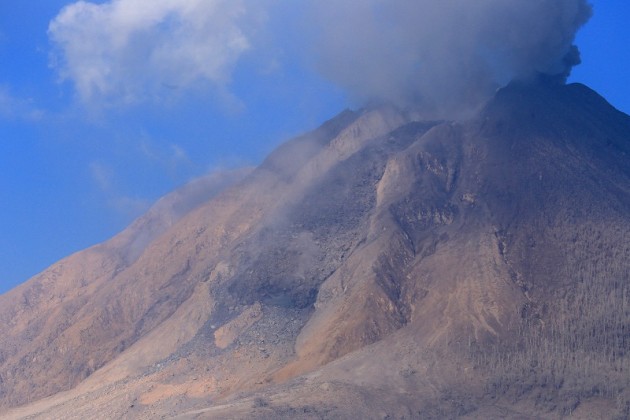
{"type": "Point", "coordinates": [377, 267]}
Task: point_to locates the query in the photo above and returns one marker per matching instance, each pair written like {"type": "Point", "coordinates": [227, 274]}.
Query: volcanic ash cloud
{"type": "Point", "coordinates": [444, 56]}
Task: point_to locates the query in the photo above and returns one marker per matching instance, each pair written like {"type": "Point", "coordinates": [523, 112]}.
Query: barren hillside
{"type": "Point", "coordinates": [377, 267]}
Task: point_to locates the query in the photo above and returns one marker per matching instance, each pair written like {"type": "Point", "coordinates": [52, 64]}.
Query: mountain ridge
{"type": "Point", "coordinates": [370, 237]}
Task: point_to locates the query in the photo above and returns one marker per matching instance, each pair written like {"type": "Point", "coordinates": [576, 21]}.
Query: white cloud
{"type": "Point", "coordinates": [443, 56]}
{"type": "Point", "coordinates": [171, 158]}
{"type": "Point", "coordinates": [105, 179]}
{"type": "Point", "coordinates": [102, 175]}
{"type": "Point", "coordinates": [126, 51]}
{"type": "Point", "coordinates": [12, 107]}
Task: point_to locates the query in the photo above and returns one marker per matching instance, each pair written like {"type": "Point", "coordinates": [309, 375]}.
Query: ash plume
{"type": "Point", "coordinates": [443, 56]}
{"type": "Point", "coordinates": [439, 57]}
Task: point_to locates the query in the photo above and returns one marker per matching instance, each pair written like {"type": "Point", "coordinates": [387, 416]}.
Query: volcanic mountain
{"type": "Point", "coordinates": [380, 266]}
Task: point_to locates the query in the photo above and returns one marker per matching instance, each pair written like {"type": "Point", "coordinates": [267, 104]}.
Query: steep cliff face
{"type": "Point", "coordinates": [375, 256]}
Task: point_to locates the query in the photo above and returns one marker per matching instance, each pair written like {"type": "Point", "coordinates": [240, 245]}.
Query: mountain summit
{"type": "Point", "coordinates": [377, 267]}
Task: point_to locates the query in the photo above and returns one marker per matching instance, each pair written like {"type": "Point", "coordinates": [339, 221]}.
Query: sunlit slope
{"type": "Point", "coordinates": [380, 264]}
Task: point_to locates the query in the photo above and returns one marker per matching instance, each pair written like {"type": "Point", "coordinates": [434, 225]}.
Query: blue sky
{"type": "Point", "coordinates": [91, 135]}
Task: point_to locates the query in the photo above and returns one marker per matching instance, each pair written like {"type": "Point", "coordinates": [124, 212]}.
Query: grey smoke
{"type": "Point", "coordinates": [443, 55]}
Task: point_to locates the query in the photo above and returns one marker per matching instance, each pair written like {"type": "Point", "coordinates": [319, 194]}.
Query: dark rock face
{"type": "Point", "coordinates": [376, 265]}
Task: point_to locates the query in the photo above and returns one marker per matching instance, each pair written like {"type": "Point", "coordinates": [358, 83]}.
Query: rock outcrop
{"type": "Point", "coordinates": [377, 266]}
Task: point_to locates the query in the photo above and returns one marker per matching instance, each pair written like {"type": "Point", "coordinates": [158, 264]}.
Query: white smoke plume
{"type": "Point", "coordinates": [443, 54]}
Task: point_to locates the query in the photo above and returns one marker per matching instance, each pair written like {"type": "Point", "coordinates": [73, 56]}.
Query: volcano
{"type": "Point", "coordinates": [380, 266]}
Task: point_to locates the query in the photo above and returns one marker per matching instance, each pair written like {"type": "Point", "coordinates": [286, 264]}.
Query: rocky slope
{"type": "Point", "coordinates": [378, 267]}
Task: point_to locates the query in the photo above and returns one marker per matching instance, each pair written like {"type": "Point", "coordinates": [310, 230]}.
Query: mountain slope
{"type": "Point", "coordinates": [377, 266]}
